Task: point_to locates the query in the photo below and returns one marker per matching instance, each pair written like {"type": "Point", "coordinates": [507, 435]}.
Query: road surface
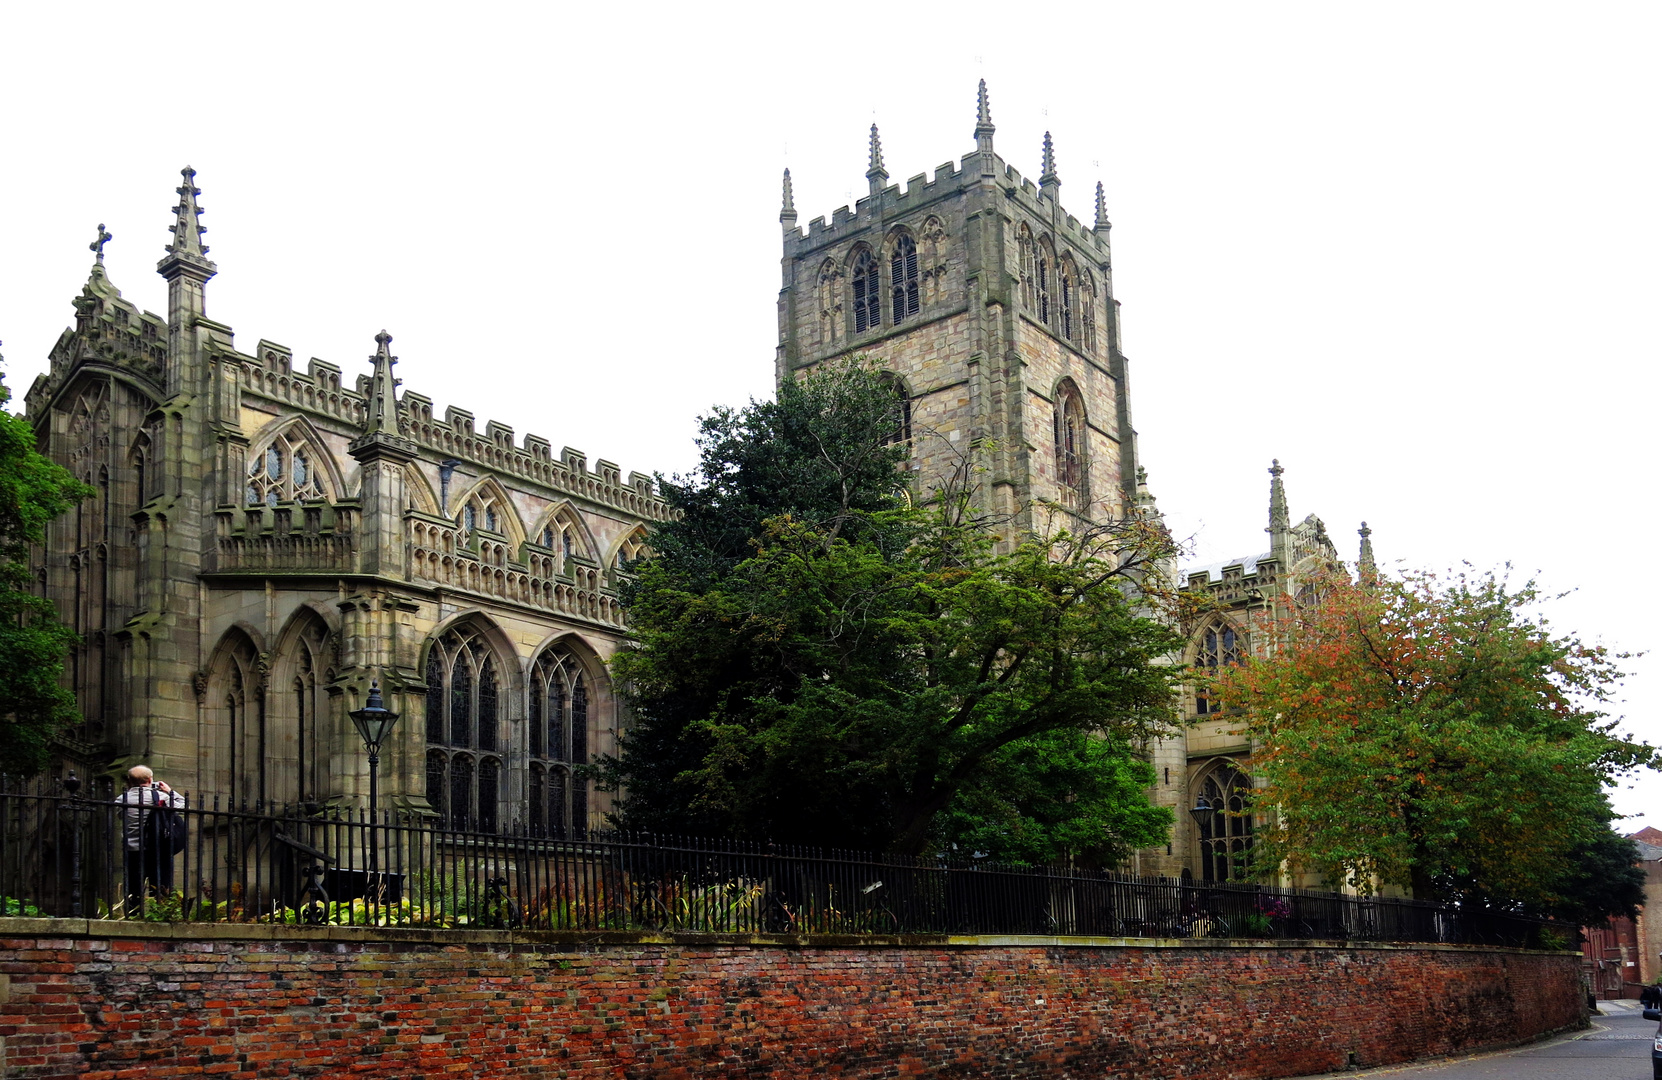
{"type": "Point", "coordinates": [1616, 1048]}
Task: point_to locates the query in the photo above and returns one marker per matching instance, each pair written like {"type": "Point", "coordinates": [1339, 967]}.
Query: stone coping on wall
{"type": "Point", "coordinates": [205, 931]}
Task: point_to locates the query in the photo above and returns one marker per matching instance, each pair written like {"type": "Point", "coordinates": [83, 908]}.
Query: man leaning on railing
{"type": "Point", "coordinates": [149, 849]}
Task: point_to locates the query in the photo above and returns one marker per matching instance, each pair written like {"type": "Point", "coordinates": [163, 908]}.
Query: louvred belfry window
{"type": "Point", "coordinates": [1043, 289]}
{"type": "Point", "coordinates": [903, 278]}
{"type": "Point", "coordinates": [867, 315]}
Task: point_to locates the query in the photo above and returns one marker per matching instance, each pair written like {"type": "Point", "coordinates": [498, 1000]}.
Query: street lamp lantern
{"type": "Point", "coordinates": [1202, 810]}
{"type": "Point", "coordinates": [374, 723]}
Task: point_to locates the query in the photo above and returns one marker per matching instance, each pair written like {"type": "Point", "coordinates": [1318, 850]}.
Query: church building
{"type": "Point", "coordinates": [266, 542]}
{"type": "Point", "coordinates": [993, 309]}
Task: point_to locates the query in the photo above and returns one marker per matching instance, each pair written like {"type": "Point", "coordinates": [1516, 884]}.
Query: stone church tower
{"type": "Point", "coordinates": [994, 309]}
{"type": "Point", "coordinates": [267, 542]}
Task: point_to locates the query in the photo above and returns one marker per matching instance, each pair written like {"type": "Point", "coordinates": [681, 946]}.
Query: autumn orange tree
{"type": "Point", "coordinates": [1434, 733]}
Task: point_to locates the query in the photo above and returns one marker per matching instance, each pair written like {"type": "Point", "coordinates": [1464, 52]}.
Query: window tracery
{"type": "Point", "coordinates": [632, 549]}
{"type": "Point", "coordinates": [285, 471]}
{"type": "Point", "coordinates": [1069, 297]}
{"type": "Point", "coordinates": [902, 432]}
{"type": "Point", "coordinates": [1041, 284]}
{"type": "Point", "coordinates": [1072, 466]}
{"type": "Point", "coordinates": [1225, 832]}
{"type": "Point", "coordinates": [558, 730]}
{"type": "Point", "coordinates": [463, 732]}
{"type": "Point", "coordinates": [829, 297]}
{"type": "Point", "coordinates": [933, 255]}
{"type": "Point", "coordinates": [903, 278]}
{"type": "Point", "coordinates": [1220, 646]}
{"type": "Point", "coordinates": [1087, 310]}
{"type": "Point", "coordinates": [1028, 258]}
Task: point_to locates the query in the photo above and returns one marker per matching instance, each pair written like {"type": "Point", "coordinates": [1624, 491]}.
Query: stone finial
{"type": "Point", "coordinates": [876, 173]}
{"type": "Point", "coordinates": [787, 211]}
{"type": "Point", "coordinates": [187, 229]}
{"type": "Point", "coordinates": [97, 246]}
{"type": "Point", "coordinates": [187, 254]}
{"type": "Point", "coordinates": [1101, 225]}
{"type": "Point", "coordinates": [983, 121]}
{"type": "Point", "coordinates": [1144, 503]}
{"type": "Point", "coordinates": [1049, 182]}
{"type": "Point", "coordinates": [381, 417]}
{"type": "Point", "coordinates": [1366, 568]}
{"type": "Point", "coordinates": [1280, 528]}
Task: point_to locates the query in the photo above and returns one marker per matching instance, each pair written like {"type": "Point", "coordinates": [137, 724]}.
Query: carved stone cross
{"type": "Point", "coordinates": [97, 245]}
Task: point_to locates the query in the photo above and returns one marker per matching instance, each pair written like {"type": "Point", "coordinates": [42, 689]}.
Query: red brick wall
{"type": "Point", "coordinates": [240, 1002]}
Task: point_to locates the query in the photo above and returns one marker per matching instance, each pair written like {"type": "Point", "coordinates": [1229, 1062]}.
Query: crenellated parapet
{"type": "Point", "coordinates": [318, 391]}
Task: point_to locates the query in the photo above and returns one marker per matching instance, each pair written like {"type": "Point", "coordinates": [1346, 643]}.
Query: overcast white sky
{"type": "Point", "coordinates": [1409, 249]}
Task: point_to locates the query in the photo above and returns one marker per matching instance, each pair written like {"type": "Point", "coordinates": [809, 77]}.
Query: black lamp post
{"type": "Point", "coordinates": [374, 723]}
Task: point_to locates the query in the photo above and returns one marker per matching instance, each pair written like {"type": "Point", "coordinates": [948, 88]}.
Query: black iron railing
{"type": "Point", "coordinates": [69, 856]}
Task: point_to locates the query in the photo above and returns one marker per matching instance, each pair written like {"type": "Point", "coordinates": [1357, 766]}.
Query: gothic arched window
{"type": "Point", "coordinates": [285, 471]}
{"type": "Point", "coordinates": [632, 549]}
{"type": "Point", "coordinates": [1072, 466]}
{"type": "Point", "coordinates": [867, 314]}
{"type": "Point", "coordinates": [559, 740]}
{"type": "Point", "coordinates": [903, 278]}
{"type": "Point", "coordinates": [1087, 310]}
{"type": "Point", "coordinates": [902, 432]}
{"type": "Point", "coordinates": [1225, 833]}
{"type": "Point", "coordinates": [463, 732]}
{"type": "Point", "coordinates": [1042, 282]}
{"type": "Point", "coordinates": [1220, 647]}
{"type": "Point", "coordinates": [830, 304]}
{"type": "Point", "coordinates": [1070, 296]}
{"type": "Point", "coordinates": [1029, 268]}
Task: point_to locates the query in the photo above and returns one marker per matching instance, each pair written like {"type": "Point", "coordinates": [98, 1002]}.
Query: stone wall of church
{"type": "Point", "coordinates": [1046, 361]}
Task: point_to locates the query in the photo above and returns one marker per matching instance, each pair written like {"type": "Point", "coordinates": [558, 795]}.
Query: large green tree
{"type": "Point", "coordinates": [1436, 734]}
{"type": "Point", "coordinates": [33, 642]}
{"type": "Point", "coordinates": [817, 661]}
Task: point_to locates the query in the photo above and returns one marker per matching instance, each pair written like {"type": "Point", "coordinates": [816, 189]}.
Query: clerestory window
{"type": "Point", "coordinates": [284, 472]}
{"type": "Point", "coordinates": [1220, 647]}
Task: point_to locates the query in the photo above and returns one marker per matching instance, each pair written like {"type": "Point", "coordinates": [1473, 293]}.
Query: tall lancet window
{"type": "Point", "coordinates": [1072, 466]}
{"type": "Point", "coordinates": [463, 732]}
{"type": "Point", "coordinates": [1070, 297]}
{"type": "Point", "coordinates": [558, 742]}
{"type": "Point", "coordinates": [867, 314]}
{"type": "Point", "coordinates": [1041, 287]}
{"type": "Point", "coordinates": [903, 278]}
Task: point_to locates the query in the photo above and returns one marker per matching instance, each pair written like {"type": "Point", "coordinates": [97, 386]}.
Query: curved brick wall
{"type": "Point", "coordinates": [226, 1001]}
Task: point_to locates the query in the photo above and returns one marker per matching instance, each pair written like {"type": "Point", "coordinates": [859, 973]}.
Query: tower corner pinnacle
{"type": "Point", "coordinates": [875, 172]}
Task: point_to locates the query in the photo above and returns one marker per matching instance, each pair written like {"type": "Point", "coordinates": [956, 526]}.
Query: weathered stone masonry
{"type": "Point", "coordinates": [242, 1002]}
